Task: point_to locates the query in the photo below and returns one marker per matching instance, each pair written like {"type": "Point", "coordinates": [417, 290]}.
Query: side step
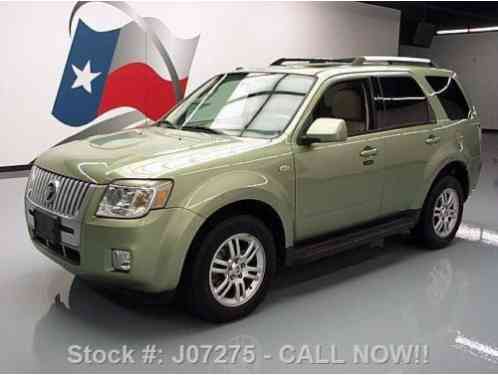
{"type": "Point", "coordinates": [308, 251]}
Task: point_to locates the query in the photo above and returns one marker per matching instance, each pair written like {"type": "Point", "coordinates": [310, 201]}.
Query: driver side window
{"type": "Point", "coordinates": [346, 100]}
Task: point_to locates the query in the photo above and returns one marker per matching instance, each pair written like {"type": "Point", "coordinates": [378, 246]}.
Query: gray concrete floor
{"type": "Point", "coordinates": [399, 294]}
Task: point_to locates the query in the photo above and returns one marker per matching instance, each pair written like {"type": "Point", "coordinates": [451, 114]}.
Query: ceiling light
{"type": "Point", "coordinates": [483, 29]}
{"type": "Point", "coordinates": [452, 31]}
{"type": "Point", "coordinates": [467, 30]}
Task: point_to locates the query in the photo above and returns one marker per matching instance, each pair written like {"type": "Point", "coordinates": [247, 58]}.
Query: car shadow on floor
{"type": "Point", "coordinates": [355, 261]}
{"type": "Point", "coordinates": [90, 316]}
{"type": "Point", "coordinates": [106, 307]}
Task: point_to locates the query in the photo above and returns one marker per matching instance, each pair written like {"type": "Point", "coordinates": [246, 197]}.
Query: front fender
{"type": "Point", "coordinates": [230, 187]}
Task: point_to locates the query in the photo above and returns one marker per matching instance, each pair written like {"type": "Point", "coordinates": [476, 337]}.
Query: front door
{"type": "Point", "coordinates": [339, 184]}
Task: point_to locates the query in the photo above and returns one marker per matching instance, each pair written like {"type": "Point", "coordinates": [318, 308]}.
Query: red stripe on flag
{"type": "Point", "coordinates": [138, 86]}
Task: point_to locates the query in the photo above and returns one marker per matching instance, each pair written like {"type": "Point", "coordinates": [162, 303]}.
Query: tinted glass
{"type": "Point", "coordinates": [450, 96]}
{"type": "Point", "coordinates": [404, 103]}
{"type": "Point", "coordinates": [347, 101]}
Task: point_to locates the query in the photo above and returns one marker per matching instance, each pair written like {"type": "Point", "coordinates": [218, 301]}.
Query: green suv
{"type": "Point", "coordinates": [258, 169]}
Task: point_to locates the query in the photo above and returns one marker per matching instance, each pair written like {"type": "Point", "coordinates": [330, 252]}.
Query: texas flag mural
{"type": "Point", "coordinates": [122, 68]}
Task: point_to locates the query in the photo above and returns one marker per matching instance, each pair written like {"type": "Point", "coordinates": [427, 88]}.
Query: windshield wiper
{"type": "Point", "coordinates": [201, 129]}
{"type": "Point", "coordinates": [168, 123]}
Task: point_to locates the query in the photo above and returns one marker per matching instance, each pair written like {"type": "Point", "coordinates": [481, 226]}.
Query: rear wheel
{"type": "Point", "coordinates": [231, 270]}
{"type": "Point", "coordinates": [442, 213]}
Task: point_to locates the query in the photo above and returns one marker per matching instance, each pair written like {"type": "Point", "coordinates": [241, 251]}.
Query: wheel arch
{"type": "Point", "coordinates": [257, 208]}
{"type": "Point", "coordinates": [456, 168]}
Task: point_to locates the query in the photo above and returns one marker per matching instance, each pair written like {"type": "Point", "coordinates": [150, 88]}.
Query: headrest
{"type": "Point", "coordinates": [347, 104]}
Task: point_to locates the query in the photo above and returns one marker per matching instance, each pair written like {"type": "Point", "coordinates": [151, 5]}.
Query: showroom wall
{"type": "Point", "coordinates": [467, 54]}
{"type": "Point", "coordinates": [201, 39]}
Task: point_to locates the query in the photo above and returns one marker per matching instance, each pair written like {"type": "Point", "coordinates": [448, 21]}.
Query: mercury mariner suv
{"type": "Point", "coordinates": [257, 169]}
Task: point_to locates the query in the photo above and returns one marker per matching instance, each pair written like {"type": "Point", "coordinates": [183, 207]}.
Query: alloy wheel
{"type": "Point", "coordinates": [237, 269]}
{"type": "Point", "coordinates": [445, 213]}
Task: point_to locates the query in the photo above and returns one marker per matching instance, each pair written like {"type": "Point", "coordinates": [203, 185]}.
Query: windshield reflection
{"type": "Point", "coordinates": [259, 105]}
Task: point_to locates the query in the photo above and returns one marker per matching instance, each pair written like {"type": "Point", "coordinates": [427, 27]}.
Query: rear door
{"type": "Point", "coordinates": [406, 122]}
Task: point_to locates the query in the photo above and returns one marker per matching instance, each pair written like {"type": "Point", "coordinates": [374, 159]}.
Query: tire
{"type": "Point", "coordinates": [431, 230]}
{"type": "Point", "coordinates": [211, 286]}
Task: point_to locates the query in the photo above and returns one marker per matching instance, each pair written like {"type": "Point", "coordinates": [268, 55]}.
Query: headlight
{"type": "Point", "coordinates": [130, 199]}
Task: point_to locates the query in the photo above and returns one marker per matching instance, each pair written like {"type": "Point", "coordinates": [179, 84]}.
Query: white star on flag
{"type": "Point", "coordinates": [84, 77]}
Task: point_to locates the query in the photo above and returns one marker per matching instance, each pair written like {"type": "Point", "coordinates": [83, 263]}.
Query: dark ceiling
{"type": "Point", "coordinates": [442, 14]}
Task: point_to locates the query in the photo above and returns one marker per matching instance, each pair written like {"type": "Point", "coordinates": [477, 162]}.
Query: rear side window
{"type": "Point", "coordinates": [450, 96]}
{"type": "Point", "coordinates": [404, 103]}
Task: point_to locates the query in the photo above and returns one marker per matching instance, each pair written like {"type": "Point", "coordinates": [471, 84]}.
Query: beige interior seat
{"type": "Point", "coordinates": [346, 102]}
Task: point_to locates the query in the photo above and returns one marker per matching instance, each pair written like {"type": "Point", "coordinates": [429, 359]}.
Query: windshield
{"type": "Point", "coordinates": [242, 104]}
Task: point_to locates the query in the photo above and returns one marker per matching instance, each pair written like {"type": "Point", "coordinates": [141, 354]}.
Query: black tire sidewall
{"type": "Point", "coordinates": [202, 301]}
{"type": "Point", "coordinates": [426, 229]}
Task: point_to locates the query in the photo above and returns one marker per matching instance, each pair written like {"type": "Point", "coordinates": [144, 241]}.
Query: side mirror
{"type": "Point", "coordinates": [325, 130]}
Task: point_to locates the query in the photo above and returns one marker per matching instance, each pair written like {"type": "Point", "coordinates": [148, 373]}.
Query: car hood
{"type": "Point", "coordinates": [144, 153]}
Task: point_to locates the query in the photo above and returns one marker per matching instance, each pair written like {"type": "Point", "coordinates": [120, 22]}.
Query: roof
{"type": "Point", "coordinates": [329, 67]}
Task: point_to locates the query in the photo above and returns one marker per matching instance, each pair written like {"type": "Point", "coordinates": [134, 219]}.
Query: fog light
{"type": "Point", "coordinates": [121, 260]}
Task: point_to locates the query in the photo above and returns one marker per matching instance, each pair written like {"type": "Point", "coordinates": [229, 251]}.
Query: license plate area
{"type": "Point", "coordinates": [47, 227]}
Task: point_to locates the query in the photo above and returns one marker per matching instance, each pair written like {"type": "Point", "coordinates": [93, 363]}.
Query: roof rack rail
{"type": "Point", "coordinates": [391, 60]}
{"type": "Point", "coordinates": [284, 60]}
{"type": "Point", "coordinates": [359, 60]}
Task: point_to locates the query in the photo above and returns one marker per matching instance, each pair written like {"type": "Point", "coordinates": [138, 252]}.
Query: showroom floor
{"type": "Point", "coordinates": [444, 301]}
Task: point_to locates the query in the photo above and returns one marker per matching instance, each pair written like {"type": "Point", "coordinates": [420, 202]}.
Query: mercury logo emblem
{"type": "Point", "coordinates": [52, 190]}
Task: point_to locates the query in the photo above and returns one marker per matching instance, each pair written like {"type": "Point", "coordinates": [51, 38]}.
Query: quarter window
{"type": "Point", "coordinates": [450, 96]}
{"type": "Point", "coordinates": [404, 103]}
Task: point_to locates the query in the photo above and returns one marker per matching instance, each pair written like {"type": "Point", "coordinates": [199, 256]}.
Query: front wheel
{"type": "Point", "coordinates": [442, 213]}
{"type": "Point", "coordinates": [231, 270]}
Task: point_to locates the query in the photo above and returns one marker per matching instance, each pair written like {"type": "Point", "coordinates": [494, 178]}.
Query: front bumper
{"type": "Point", "coordinates": [158, 244]}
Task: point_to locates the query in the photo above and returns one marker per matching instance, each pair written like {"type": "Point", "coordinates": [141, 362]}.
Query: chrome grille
{"type": "Point", "coordinates": [69, 197]}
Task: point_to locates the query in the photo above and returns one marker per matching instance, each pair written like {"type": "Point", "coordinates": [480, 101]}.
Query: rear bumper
{"type": "Point", "coordinates": [158, 244]}
{"type": "Point", "coordinates": [474, 171]}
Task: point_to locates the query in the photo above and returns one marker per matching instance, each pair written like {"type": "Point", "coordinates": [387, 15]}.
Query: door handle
{"type": "Point", "coordinates": [432, 139]}
{"type": "Point", "coordinates": [368, 151]}
{"type": "Point", "coordinates": [459, 142]}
